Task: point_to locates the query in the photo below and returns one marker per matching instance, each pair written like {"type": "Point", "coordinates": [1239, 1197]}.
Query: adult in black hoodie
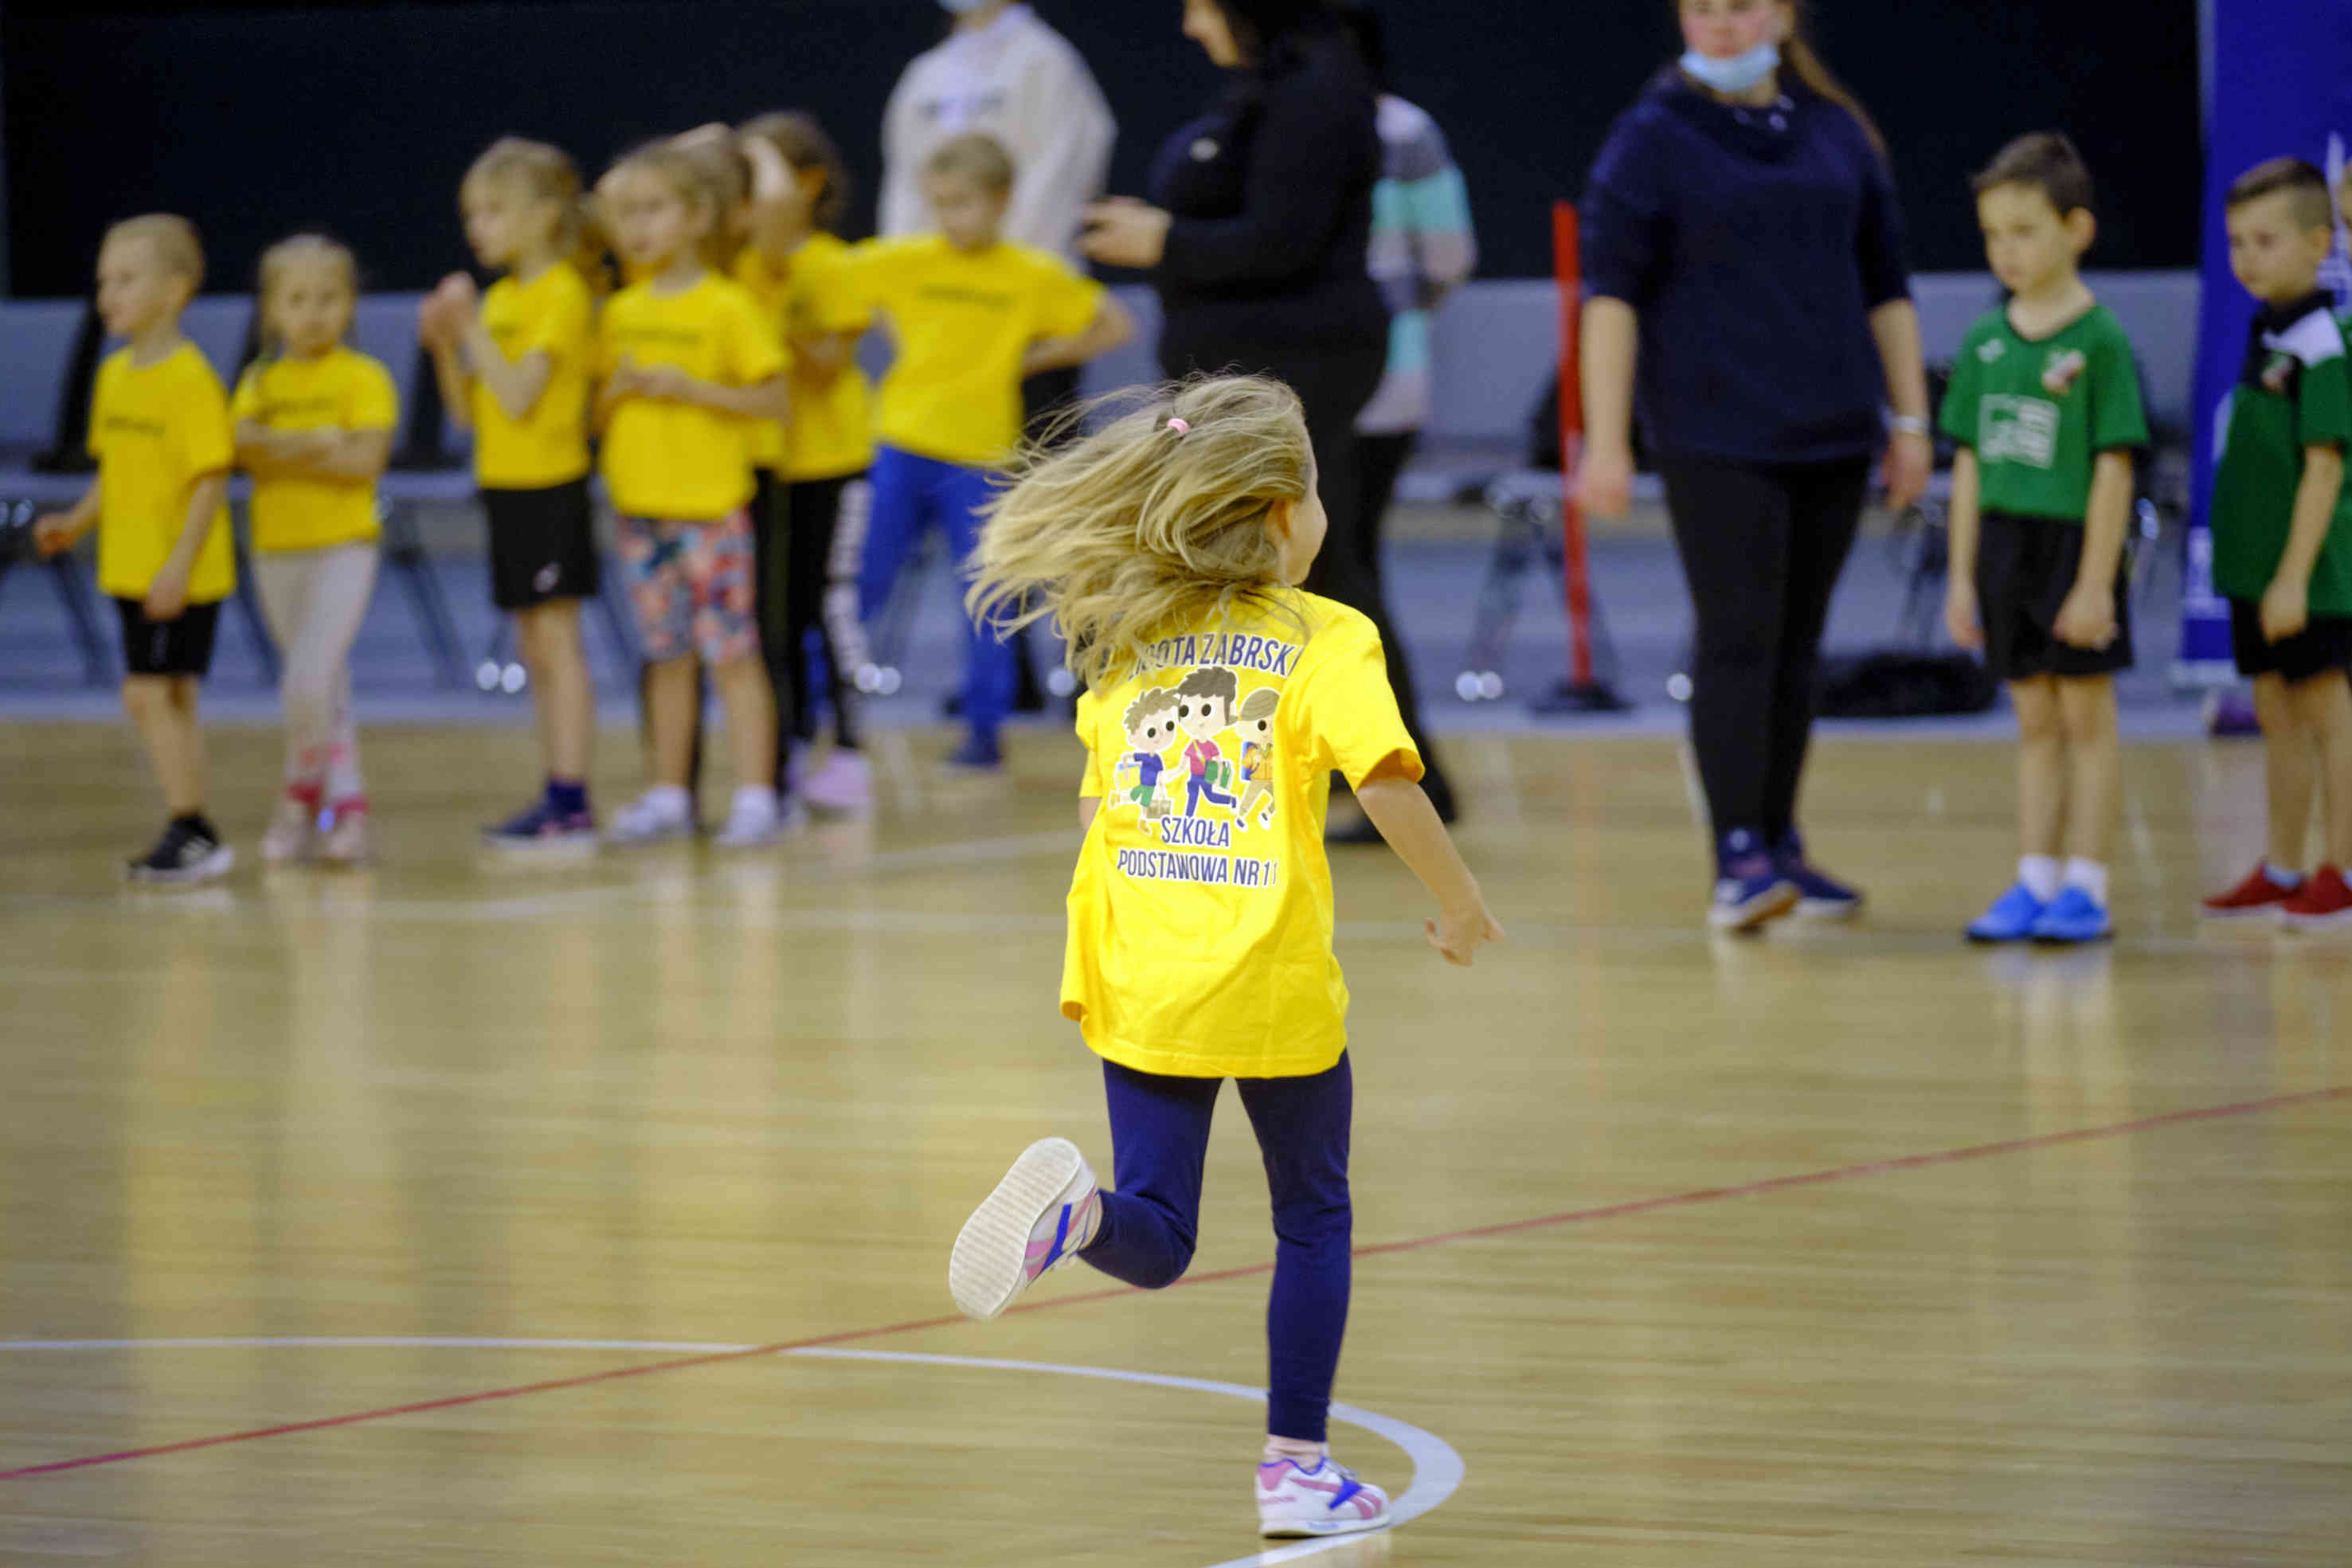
{"type": "Point", "coordinates": [1255, 238]}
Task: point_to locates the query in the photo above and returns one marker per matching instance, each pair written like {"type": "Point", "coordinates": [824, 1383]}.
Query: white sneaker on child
{"type": "Point", "coordinates": [1324, 1499]}
{"type": "Point", "coordinates": [293, 830]}
{"type": "Point", "coordinates": [664, 811]}
{"type": "Point", "coordinates": [758, 817]}
{"type": "Point", "coordinates": [347, 843]}
{"type": "Point", "coordinates": [1045, 1209]}
{"type": "Point", "coordinates": [843, 784]}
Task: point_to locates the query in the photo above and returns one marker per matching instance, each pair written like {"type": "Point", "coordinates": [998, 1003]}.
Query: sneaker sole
{"type": "Point", "coordinates": [1755, 911]}
{"type": "Point", "coordinates": [215, 864]}
{"type": "Point", "coordinates": [1299, 1528]}
{"type": "Point", "coordinates": [648, 841]}
{"type": "Point", "coordinates": [2316, 922]}
{"type": "Point", "coordinates": [2041, 939]}
{"type": "Point", "coordinates": [2251, 912]}
{"type": "Point", "coordinates": [986, 1270]}
{"type": "Point", "coordinates": [1828, 908]}
{"type": "Point", "coordinates": [550, 844]}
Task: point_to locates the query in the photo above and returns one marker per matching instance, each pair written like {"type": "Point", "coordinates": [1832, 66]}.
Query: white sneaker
{"type": "Point", "coordinates": [758, 817]}
{"type": "Point", "coordinates": [664, 811]}
{"type": "Point", "coordinates": [1040, 1214]}
{"type": "Point", "coordinates": [292, 833]}
{"type": "Point", "coordinates": [348, 842]}
{"type": "Point", "coordinates": [1326, 1500]}
{"type": "Point", "coordinates": [843, 784]}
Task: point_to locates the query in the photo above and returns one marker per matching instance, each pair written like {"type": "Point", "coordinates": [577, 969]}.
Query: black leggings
{"type": "Point", "coordinates": [1761, 547]}
{"type": "Point", "coordinates": [826, 542]}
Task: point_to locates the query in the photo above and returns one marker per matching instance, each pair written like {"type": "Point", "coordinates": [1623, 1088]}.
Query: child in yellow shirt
{"type": "Point", "coordinates": [514, 365]}
{"type": "Point", "coordinates": [690, 368]}
{"type": "Point", "coordinates": [814, 494]}
{"type": "Point", "coordinates": [1166, 548]}
{"type": "Point", "coordinates": [972, 317]}
{"type": "Point", "coordinates": [314, 422]}
{"type": "Point", "coordinates": [159, 427]}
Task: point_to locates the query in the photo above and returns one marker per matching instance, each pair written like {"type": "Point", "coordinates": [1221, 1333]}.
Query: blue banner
{"type": "Point", "coordinates": [2281, 76]}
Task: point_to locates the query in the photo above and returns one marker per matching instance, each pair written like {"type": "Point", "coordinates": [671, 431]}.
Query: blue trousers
{"type": "Point", "coordinates": [1159, 1134]}
{"type": "Point", "coordinates": [910, 494]}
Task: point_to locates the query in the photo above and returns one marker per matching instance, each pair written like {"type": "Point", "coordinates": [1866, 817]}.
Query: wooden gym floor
{"type": "Point", "coordinates": [1842, 1247]}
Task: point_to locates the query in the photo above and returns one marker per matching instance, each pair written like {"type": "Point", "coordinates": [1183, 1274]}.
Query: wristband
{"type": "Point", "coordinates": [1907, 424]}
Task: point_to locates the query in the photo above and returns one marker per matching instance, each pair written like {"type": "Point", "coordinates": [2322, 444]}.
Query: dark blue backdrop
{"type": "Point", "coordinates": [2282, 87]}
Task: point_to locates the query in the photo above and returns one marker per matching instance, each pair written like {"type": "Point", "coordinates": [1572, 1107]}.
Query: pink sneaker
{"type": "Point", "coordinates": [843, 785]}
{"type": "Point", "coordinates": [1326, 1500]}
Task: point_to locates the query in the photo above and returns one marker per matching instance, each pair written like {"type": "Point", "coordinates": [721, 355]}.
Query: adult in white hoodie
{"type": "Point", "coordinates": [1007, 74]}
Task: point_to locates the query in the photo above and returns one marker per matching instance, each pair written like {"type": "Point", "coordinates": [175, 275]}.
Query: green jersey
{"type": "Point", "coordinates": [2294, 392]}
{"type": "Point", "coordinates": [2039, 411]}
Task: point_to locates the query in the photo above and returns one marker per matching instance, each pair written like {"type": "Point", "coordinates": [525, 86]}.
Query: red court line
{"type": "Point", "coordinates": [1567, 1217]}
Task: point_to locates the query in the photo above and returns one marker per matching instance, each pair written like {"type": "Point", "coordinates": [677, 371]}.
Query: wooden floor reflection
{"type": "Point", "coordinates": [678, 1100]}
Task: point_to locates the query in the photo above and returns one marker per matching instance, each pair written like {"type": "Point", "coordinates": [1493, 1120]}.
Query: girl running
{"type": "Point", "coordinates": [314, 424]}
{"type": "Point", "coordinates": [514, 365]}
{"type": "Point", "coordinates": [1166, 548]}
{"type": "Point", "coordinates": [691, 366]}
{"type": "Point", "coordinates": [815, 498]}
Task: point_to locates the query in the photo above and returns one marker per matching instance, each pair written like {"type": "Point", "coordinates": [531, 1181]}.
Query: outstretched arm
{"type": "Point", "coordinates": [1402, 811]}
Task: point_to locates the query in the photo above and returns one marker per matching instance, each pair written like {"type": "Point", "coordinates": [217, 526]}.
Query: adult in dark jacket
{"type": "Point", "coordinates": [1255, 240]}
{"type": "Point", "coordinates": [1741, 227]}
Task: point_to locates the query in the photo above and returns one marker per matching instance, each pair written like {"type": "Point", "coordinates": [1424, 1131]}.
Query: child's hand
{"type": "Point", "coordinates": [627, 379]}
{"type": "Point", "coordinates": [1961, 623]}
{"type": "Point", "coordinates": [2088, 618]}
{"type": "Point", "coordinates": [54, 533]}
{"type": "Point", "coordinates": [1457, 934]}
{"type": "Point", "coordinates": [167, 596]}
{"type": "Point", "coordinates": [2286, 610]}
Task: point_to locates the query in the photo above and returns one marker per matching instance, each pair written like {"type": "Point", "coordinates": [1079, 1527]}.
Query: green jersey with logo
{"type": "Point", "coordinates": [2294, 392]}
{"type": "Point", "coordinates": [2037, 412]}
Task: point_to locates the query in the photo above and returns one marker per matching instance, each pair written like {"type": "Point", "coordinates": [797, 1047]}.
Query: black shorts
{"type": "Point", "coordinates": [2025, 568]}
{"type": "Point", "coordinates": [181, 646]}
{"type": "Point", "coordinates": [2324, 644]}
{"type": "Point", "coordinates": [543, 545]}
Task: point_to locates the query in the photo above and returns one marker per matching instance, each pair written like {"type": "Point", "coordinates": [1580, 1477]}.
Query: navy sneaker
{"type": "Point", "coordinates": [2011, 918]}
{"type": "Point", "coordinates": [540, 827]}
{"type": "Point", "coordinates": [1750, 888]}
{"type": "Point", "coordinates": [1818, 896]}
{"type": "Point", "coordinates": [2073, 918]}
{"type": "Point", "coordinates": [978, 753]}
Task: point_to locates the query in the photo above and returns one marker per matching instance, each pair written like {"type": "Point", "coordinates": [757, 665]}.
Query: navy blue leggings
{"type": "Point", "coordinates": [1159, 1134]}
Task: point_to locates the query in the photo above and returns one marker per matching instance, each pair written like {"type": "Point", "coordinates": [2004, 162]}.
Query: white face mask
{"type": "Point", "coordinates": [1736, 75]}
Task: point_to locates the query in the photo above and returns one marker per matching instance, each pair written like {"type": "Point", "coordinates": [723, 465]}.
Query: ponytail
{"type": "Point", "coordinates": [1799, 53]}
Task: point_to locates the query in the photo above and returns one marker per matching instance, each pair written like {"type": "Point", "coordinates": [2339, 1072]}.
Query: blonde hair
{"type": "Point", "coordinates": [290, 253]}
{"type": "Point", "coordinates": [548, 173]}
{"type": "Point", "coordinates": [1157, 522]}
{"type": "Point", "coordinates": [724, 173]}
{"type": "Point", "coordinates": [803, 145]}
{"type": "Point", "coordinates": [974, 156]}
{"type": "Point", "coordinates": [690, 176]}
{"type": "Point", "coordinates": [174, 239]}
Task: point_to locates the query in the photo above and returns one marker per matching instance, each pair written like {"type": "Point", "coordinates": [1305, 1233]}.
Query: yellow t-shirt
{"type": "Point", "coordinates": [679, 461]}
{"type": "Point", "coordinates": [831, 432]}
{"type": "Point", "coordinates": [1201, 917]}
{"type": "Point", "coordinates": [155, 430]}
{"type": "Point", "coordinates": [341, 390]}
{"type": "Point", "coordinates": [961, 320]}
{"type": "Point", "coordinates": [554, 314]}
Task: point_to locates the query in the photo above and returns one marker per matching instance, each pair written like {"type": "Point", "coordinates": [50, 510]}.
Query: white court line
{"type": "Point", "coordinates": [1437, 1469]}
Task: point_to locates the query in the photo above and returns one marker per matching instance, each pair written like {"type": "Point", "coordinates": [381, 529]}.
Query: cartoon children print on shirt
{"type": "Point", "coordinates": [1205, 710]}
{"type": "Point", "coordinates": [1150, 725]}
{"type": "Point", "coordinates": [1256, 725]}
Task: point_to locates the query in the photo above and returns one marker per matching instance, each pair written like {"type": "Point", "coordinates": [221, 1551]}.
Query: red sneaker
{"type": "Point", "coordinates": [2258, 894]}
{"type": "Point", "coordinates": [2322, 901]}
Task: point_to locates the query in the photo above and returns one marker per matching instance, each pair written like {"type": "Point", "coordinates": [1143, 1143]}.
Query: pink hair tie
{"type": "Point", "coordinates": [1181, 427]}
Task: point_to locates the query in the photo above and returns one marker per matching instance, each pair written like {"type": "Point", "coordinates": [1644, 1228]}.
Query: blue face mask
{"type": "Point", "coordinates": [958, 8]}
{"type": "Point", "coordinates": [1736, 75]}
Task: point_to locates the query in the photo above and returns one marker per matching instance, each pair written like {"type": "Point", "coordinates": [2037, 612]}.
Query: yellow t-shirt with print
{"type": "Point", "coordinates": [831, 432]}
{"type": "Point", "coordinates": [961, 320]}
{"type": "Point", "coordinates": [554, 314]}
{"type": "Point", "coordinates": [1201, 913]}
{"type": "Point", "coordinates": [679, 461]}
{"type": "Point", "coordinates": [341, 390]}
{"type": "Point", "coordinates": [156, 430]}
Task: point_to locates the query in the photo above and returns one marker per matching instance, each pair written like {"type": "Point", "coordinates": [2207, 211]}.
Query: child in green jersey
{"type": "Point", "coordinates": [2044, 404]}
{"type": "Point", "coordinates": [2283, 537]}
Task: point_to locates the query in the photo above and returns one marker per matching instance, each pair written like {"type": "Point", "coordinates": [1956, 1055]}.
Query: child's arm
{"type": "Point", "coordinates": [1960, 553]}
{"type": "Point", "coordinates": [820, 356]}
{"type": "Point", "coordinates": [2088, 618]}
{"type": "Point", "coordinates": [769, 399]}
{"type": "Point", "coordinates": [58, 531]}
{"type": "Point", "coordinates": [168, 594]}
{"type": "Point", "coordinates": [1087, 806]}
{"type": "Point", "coordinates": [1111, 327]}
{"type": "Point", "coordinates": [1403, 813]}
{"type": "Point", "coordinates": [2286, 604]}
{"type": "Point", "coordinates": [518, 384]}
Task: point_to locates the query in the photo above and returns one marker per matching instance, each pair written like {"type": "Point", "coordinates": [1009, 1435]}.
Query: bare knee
{"type": "Point", "coordinates": [2040, 721]}
{"type": "Point", "coordinates": [146, 697]}
{"type": "Point", "coordinates": [2087, 708]}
